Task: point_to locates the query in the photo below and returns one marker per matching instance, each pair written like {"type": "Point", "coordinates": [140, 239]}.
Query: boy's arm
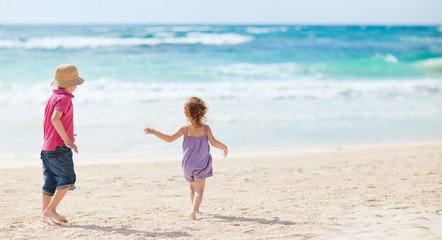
{"type": "Point", "coordinates": [165, 137]}
{"type": "Point", "coordinates": [55, 119]}
{"type": "Point", "coordinates": [215, 142]}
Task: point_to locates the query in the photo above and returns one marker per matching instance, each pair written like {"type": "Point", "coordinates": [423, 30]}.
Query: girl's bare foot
{"type": "Point", "coordinates": [54, 215]}
{"type": "Point", "coordinates": [192, 215]}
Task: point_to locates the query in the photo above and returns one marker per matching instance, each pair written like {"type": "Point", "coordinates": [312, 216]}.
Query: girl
{"type": "Point", "coordinates": [197, 162]}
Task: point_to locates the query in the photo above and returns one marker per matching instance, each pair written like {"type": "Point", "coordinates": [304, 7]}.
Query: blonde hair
{"type": "Point", "coordinates": [195, 109]}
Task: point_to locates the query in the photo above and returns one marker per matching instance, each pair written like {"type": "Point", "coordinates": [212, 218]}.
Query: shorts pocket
{"type": "Point", "coordinates": [54, 156]}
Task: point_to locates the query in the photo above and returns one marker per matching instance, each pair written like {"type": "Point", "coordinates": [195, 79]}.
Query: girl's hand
{"type": "Point", "coordinates": [225, 152]}
{"type": "Point", "coordinates": [149, 130]}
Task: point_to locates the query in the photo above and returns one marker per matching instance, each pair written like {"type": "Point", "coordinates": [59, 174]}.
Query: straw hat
{"type": "Point", "coordinates": [66, 75]}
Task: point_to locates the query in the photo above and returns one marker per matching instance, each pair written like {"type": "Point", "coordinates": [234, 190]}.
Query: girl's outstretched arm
{"type": "Point", "coordinates": [215, 142]}
{"type": "Point", "coordinates": [165, 137]}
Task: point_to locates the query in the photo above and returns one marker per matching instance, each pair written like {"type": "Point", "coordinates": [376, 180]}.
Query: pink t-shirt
{"type": "Point", "coordinates": [60, 100]}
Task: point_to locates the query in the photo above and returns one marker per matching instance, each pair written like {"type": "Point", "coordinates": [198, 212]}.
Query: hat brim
{"type": "Point", "coordinates": [57, 83]}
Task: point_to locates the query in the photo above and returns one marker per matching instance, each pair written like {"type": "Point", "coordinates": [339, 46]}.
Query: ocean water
{"type": "Point", "coordinates": [267, 87]}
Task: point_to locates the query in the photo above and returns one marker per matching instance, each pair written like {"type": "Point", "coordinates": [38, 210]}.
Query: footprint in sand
{"type": "Point", "coordinates": [17, 225]}
{"type": "Point", "coordinates": [419, 218]}
{"type": "Point", "coordinates": [144, 235]}
{"type": "Point", "coordinates": [400, 208]}
{"type": "Point", "coordinates": [193, 229]}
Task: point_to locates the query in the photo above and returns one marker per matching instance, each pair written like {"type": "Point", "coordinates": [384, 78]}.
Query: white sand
{"type": "Point", "coordinates": [358, 192]}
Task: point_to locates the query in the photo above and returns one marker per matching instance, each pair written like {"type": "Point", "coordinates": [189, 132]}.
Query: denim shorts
{"type": "Point", "coordinates": [58, 170]}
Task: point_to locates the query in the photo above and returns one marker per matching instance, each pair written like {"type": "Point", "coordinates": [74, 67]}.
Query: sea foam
{"type": "Point", "coordinates": [115, 91]}
{"type": "Point", "coordinates": [432, 65]}
{"type": "Point", "coordinates": [79, 42]}
{"type": "Point", "coordinates": [264, 30]}
{"type": "Point", "coordinates": [391, 58]}
{"type": "Point", "coordinates": [110, 114]}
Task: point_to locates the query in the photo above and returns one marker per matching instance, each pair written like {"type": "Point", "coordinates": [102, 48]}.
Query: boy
{"type": "Point", "coordinates": [56, 154]}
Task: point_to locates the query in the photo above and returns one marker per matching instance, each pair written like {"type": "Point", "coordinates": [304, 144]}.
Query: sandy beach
{"type": "Point", "coordinates": [384, 191]}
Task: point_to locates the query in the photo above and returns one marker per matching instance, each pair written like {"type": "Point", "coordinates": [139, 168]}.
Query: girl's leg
{"type": "Point", "coordinates": [192, 191]}
{"type": "Point", "coordinates": [50, 211]}
{"type": "Point", "coordinates": [199, 191]}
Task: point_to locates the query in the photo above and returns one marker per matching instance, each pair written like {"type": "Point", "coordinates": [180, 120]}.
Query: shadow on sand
{"type": "Point", "coordinates": [275, 220]}
{"type": "Point", "coordinates": [128, 231]}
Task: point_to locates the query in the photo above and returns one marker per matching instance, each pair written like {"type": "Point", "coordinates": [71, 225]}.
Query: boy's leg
{"type": "Point", "coordinates": [46, 200]}
{"type": "Point", "coordinates": [50, 211]}
{"type": "Point", "coordinates": [199, 191]}
{"type": "Point", "coordinates": [64, 174]}
{"type": "Point", "coordinates": [49, 187]}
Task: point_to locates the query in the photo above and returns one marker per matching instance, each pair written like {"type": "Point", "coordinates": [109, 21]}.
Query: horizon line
{"type": "Point", "coordinates": [226, 24]}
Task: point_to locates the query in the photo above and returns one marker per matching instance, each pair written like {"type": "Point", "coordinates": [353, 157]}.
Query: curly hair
{"type": "Point", "coordinates": [195, 109]}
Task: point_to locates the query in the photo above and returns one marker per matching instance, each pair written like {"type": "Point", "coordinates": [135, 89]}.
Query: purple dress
{"type": "Point", "coordinates": [197, 162]}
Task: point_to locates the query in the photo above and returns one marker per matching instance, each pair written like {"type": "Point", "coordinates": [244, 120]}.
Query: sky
{"type": "Point", "coordinates": [352, 12]}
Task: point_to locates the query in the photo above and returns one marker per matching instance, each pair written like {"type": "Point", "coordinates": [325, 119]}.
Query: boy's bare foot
{"type": "Point", "coordinates": [48, 221]}
{"type": "Point", "coordinates": [192, 215]}
{"type": "Point", "coordinates": [54, 215]}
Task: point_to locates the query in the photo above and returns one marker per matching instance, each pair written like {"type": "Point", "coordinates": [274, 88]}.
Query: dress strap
{"type": "Point", "coordinates": [185, 132]}
{"type": "Point", "coordinates": [205, 131]}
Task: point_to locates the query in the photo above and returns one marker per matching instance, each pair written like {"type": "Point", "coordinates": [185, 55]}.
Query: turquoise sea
{"type": "Point", "coordinates": [267, 86]}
